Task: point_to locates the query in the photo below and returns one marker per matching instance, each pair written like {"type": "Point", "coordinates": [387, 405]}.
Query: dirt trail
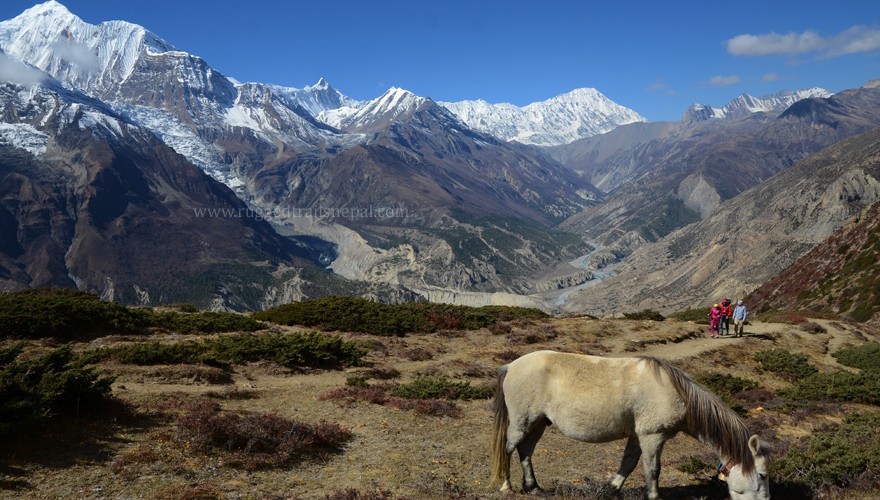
{"type": "Point", "coordinates": [834, 338]}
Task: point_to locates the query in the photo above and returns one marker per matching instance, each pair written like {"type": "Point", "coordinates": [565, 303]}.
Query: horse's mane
{"type": "Point", "coordinates": [707, 418]}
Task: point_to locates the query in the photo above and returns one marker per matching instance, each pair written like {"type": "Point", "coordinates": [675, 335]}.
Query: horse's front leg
{"type": "Point", "coordinates": [652, 446]}
{"type": "Point", "coordinates": [525, 448]}
{"type": "Point", "coordinates": [631, 455]}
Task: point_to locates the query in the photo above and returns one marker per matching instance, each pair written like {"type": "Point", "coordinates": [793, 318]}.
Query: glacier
{"type": "Point", "coordinates": [24, 136]}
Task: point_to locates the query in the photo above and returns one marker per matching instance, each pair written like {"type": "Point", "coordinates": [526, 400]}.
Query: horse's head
{"type": "Point", "coordinates": [754, 486]}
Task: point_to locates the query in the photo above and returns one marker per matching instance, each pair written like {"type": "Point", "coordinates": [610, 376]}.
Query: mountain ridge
{"type": "Point", "coordinates": [261, 141]}
{"type": "Point", "coordinates": [746, 104]}
{"type": "Point", "coordinates": [480, 205]}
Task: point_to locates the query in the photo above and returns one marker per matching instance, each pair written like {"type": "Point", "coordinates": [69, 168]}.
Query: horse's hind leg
{"type": "Point", "coordinates": [628, 463]}
{"type": "Point", "coordinates": [525, 448]}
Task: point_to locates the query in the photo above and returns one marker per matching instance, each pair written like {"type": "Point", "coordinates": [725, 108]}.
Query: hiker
{"type": "Point", "coordinates": [739, 318]}
{"type": "Point", "coordinates": [714, 320]}
{"type": "Point", "coordinates": [726, 313]}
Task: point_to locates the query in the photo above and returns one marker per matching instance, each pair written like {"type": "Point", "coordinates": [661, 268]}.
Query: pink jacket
{"type": "Point", "coordinates": [715, 313]}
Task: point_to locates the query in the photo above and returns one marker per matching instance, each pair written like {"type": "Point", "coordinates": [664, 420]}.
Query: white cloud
{"type": "Point", "coordinates": [770, 77]}
{"type": "Point", "coordinates": [76, 53]}
{"type": "Point", "coordinates": [854, 40]}
{"type": "Point", "coordinates": [762, 45]}
{"type": "Point", "coordinates": [723, 81]}
{"type": "Point", "coordinates": [660, 85]}
{"type": "Point", "coordinates": [15, 71]}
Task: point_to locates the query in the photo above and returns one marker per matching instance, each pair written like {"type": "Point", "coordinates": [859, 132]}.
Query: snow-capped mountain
{"type": "Point", "coordinates": [108, 60]}
{"type": "Point", "coordinates": [746, 104]}
{"type": "Point", "coordinates": [34, 113]}
{"type": "Point", "coordinates": [317, 98]}
{"type": "Point", "coordinates": [378, 113]}
{"type": "Point", "coordinates": [561, 120]}
{"type": "Point", "coordinates": [89, 57]}
{"type": "Point", "coordinates": [190, 105]}
{"type": "Point", "coordinates": [94, 201]}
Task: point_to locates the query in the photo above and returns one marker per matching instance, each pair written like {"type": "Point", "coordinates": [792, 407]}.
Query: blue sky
{"type": "Point", "coordinates": [654, 57]}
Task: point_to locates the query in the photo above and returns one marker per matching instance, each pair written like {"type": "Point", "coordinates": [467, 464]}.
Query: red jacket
{"type": "Point", "coordinates": [726, 311]}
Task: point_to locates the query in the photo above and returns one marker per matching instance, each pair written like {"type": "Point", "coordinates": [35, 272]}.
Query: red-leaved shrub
{"type": "Point", "coordinates": [257, 441]}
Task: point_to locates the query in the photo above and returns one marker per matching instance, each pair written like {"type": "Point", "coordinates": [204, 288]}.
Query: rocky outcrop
{"type": "Point", "coordinates": [562, 282]}
{"type": "Point", "coordinates": [699, 195]}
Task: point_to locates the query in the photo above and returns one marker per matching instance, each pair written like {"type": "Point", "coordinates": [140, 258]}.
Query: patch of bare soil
{"type": "Point", "coordinates": [393, 452]}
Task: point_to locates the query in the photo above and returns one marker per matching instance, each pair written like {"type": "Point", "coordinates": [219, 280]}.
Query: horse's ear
{"type": "Point", "coordinates": [755, 445]}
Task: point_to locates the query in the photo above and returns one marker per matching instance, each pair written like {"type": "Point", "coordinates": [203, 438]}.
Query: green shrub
{"type": "Point", "coordinates": [345, 314]}
{"type": "Point", "coordinates": [64, 314]}
{"type": "Point", "coordinates": [696, 467]}
{"type": "Point", "coordinates": [358, 381]}
{"type": "Point", "coordinates": [726, 387]}
{"type": "Point", "coordinates": [311, 349]}
{"type": "Point", "coordinates": [8, 354]}
{"type": "Point", "coordinates": [72, 315]}
{"type": "Point", "coordinates": [810, 385]}
{"type": "Point", "coordinates": [841, 386]}
{"type": "Point", "coordinates": [722, 383]}
{"type": "Point", "coordinates": [645, 314]}
{"type": "Point", "coordinates": [862, 312]}
{"type": "Point", "coordinates": [353, 314]}
{"type": "Point", "coordinates": [441, 388]}
{"type": "Point", "coordinates": [182, 307]}
{"type": "Point", "coordinates": [835, 458]}
{"type": "Point", "coordinates": [35, 391]}
{"type": "Point", "coordinates": [782, 361]}
{"type": "Point", "coordinates": [204, 322]}
{"type": "Point", "coordinates": [151, 353]}
{"type": "Point", "coordinates": [865, 357]}
{"type": "Point", "coordinates": [698, 315]}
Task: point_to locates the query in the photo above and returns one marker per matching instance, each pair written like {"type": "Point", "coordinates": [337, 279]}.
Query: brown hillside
{"type": "Point", "coordinates": [840, 276]}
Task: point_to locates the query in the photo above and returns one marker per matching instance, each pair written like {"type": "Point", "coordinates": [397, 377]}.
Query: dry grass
{"type": "Point", "coordinates": [403, 450]}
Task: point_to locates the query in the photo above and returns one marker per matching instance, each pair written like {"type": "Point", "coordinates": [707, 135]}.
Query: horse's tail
{"type": "Point", "coordinates": [707, 418]}
{"type": "Point", "coordinates": [500, 458]}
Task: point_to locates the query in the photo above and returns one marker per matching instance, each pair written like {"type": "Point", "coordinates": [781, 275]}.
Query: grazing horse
{"type": "Point", "coordinates": [597, 400]}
